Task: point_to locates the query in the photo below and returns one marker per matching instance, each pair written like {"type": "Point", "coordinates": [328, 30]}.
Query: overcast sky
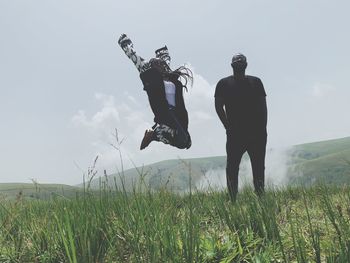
{"type": "Point", "coordinates": [66, 85]}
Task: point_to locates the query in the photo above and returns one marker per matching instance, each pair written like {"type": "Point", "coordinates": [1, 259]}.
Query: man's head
{"type": "Point", "coordinates": [239, 63]}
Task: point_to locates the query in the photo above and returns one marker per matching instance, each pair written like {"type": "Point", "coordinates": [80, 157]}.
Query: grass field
{"type": "Point", "coordinates": [138, 220]}
{"type": "Point", "coordinates": [35, 190]}
{"type": "Point", "coordinates": [285, 225]}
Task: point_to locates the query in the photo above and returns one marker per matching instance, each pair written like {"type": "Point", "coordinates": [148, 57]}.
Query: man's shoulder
{"type": "Point", "coordinates": [255, 81]}
{"type": "Point", "coordinates": [225, 81]}
{"type": "Point", "coordinates": [257, 84]}
{"type": "Point", "coordinates": [222, 87]}
{"type": "Point", "coordinates": [227, 78]}
{"type": "Point", "coordinates": [252, 78]}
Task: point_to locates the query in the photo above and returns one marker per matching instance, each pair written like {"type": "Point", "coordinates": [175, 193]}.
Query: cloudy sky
{"type": "Point", "coordinates": [66, 85]}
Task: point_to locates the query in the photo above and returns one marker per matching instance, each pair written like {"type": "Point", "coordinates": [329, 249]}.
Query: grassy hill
{"type": "Point", "coordinates": [172, 174]}
{"type": "Point", "coordinates": [321, 162]}
{"type": "Point", "coordinates": [325, 161]}
{"type": "Point", "coordinates": [36, 191]}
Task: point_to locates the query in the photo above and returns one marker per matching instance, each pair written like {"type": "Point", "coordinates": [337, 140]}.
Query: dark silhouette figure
{"type": "Point", "coordinates": [240, 102]}
{"type": "Point", "coordinates": [165, 95]}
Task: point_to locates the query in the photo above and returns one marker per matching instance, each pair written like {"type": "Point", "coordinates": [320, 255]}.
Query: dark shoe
{"type": "Point", "coordinates": [147, 138]}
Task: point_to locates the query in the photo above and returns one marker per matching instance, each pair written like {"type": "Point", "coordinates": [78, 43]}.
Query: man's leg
{"type": "Point", "coordinates": [234, 149]}
{"type": "Point", "coordinates": [257, 150]}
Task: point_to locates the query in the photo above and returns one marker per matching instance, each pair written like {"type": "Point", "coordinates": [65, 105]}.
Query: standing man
{"type": "Point", "coordinates": [241, 106]}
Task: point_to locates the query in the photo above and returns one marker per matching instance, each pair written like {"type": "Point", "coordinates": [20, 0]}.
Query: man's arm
{"type": "Point", "coordinates": [219, 107]}
{"type": "Point", "coordinates": [262, 102]}
{"type": "Point", "coordinates": [264, 110]}
{"type": "Point", "coordinates": [126, 44]}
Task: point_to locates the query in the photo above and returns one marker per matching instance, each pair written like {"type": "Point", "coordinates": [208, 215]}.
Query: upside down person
{"type": "Point", "coordinates": [165, 95]}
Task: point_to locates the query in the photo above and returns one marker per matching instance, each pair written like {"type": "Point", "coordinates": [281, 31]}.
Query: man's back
{"type": "Point", "coordinates": [241, 107]}
{"type": "Point", "coordinates": [245, 104]}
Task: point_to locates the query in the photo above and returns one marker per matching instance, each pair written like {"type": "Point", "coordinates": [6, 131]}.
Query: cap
{"type": "Point", "coordinates": [239, 58]}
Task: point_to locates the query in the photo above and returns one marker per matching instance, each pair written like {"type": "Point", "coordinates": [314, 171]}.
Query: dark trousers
{"type": "Point", "coordinates": [176, 136]}
{"type": "Point", "coordinates": [182, 137]}
{"type": "Point", "coordinates": [236, 146]}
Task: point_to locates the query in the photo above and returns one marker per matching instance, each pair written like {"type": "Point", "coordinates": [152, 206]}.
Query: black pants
{"type": "Point", "coordinates": [236, 146]}
{"type": "Point", "coordinates": [176, 136]}
{"type": "Point", "coordinates": [182, 138]}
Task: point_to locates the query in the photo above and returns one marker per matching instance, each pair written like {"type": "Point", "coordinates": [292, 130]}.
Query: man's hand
{"type": "Point", "coordinates": [219, 107]}
{"type": "Point", "coordinates": [123, 41]}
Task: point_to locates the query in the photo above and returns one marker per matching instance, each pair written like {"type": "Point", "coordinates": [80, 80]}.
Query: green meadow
{"type": "Point", "coordinates": [143, 216]}
{"type": "Point", "coordinates": [112, 225]}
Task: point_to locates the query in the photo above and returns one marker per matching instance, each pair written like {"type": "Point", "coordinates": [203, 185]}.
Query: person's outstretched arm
{"type": "Point", "coordinates": [126, 44]}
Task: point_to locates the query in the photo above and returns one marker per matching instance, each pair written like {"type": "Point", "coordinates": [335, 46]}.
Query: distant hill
{"type": "Point", "coordinates": [172, 174]}
{"type": "Point", "coordinates": [325, 161]}
{"type": "Point", "coordinates": [36, 191]}
{"type": "Point", "coordinates": [321, 162]}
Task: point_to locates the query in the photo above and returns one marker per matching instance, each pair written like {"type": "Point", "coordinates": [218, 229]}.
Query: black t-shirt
{"type": "Point", "coordinates": [245, 104]}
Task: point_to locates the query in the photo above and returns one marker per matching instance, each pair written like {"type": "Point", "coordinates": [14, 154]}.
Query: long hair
{"type": "Point", "coordinates": [182, 72]}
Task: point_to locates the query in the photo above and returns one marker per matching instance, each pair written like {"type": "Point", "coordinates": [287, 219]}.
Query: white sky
{"type": "Point", "coordinates": [66, 85]}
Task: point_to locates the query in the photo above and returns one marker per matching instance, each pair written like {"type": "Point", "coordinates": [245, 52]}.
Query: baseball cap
{"type": "Point", "coordinates": [239, 57]}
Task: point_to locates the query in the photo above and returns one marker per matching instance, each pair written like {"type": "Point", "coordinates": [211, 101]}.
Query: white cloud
{"type": "Point", "coordinates": [132, 117]}
{"type": "Point", "coordinates": [199, 116]}
{"type": "Point", "coordinates": [111, 115]}
{"type": "Point", "coordinates": [125, 116]}
{"type": "Point", "coordinates": [107, 114]}
{"type": "Point", "coordinates": [321, 90]}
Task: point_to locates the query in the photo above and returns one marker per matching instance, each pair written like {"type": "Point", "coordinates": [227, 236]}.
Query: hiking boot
{"type": "Point", "coordinates": [147, 138]}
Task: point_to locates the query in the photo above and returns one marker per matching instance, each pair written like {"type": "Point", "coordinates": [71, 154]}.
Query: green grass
{"type": "Point", "coordinates": [285, 225]}
{"type": "Point", "coordinates": [35, 190]}
{"type": "Point", "coordinates": [116, 221]}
